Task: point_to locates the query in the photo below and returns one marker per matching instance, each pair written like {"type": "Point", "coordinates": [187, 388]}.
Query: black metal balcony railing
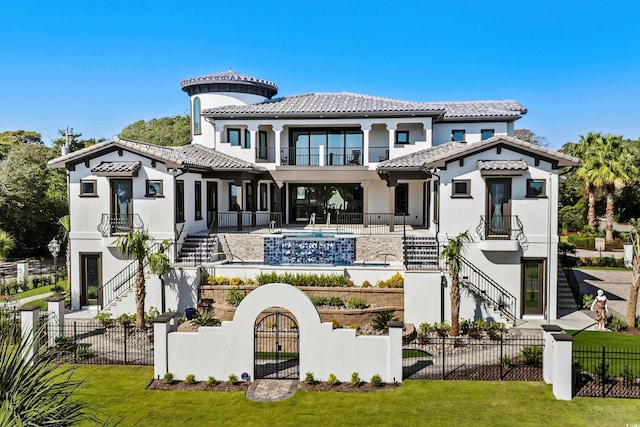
{"type": "Point", "coordinates": [500, 227]}
{"type": "Point", "coordinates": [370, 223]}
{"type": "Point", "coordinates": [378, 154]}
{"type": "Point", "coordinates": [115, 224]}
{"type": "Point", "coordinates": [265, 155]}
{"type": "Point", "coordinates": [343, 156]}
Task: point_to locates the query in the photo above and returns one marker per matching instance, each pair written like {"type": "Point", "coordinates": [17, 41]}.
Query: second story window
{"type": "Point", "coordinates": [486, 133]}
{"type": "Point", "coordinates": [458, 135]}
{"type": "Point", "coordinates": [88, 188]}
{"type": "Point", "coordinates": [195, 116]}
{"type": "Point", "coordinates": [247, 139]}
{"type": "Point", "coordinates": [197, 198]}
{"type": "Point", "coordinates": [179, 201]}
{"type": "Point", "coordinates": [402, 137]}
{"type": "Point", "coordinates": [233, 137]}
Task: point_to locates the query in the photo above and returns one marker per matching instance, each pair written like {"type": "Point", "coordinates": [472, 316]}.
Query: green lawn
{"type": "Point", "coordinates": [120, 392]}
{"type": "Point", "coordinates": [31, 292]}
{"type": "Point", "coordinates": [597, 339]}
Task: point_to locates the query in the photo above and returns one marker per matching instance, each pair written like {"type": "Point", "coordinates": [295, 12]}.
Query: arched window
{"type": "Point", "coordinates": [195, 116]}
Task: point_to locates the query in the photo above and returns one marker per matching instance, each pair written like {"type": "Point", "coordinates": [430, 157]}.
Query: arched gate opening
{"type": "Point", "coordinates": [277, 344]}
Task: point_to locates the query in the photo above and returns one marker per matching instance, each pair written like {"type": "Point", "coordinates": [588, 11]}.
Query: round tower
{"type": "Point", "coordinates": [221, 89]}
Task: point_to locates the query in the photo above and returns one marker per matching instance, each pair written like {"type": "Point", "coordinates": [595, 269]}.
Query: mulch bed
{"type": "Point", "coordinates": [347, 387]}
{"type": "Point", "coordinates": [200, 385]}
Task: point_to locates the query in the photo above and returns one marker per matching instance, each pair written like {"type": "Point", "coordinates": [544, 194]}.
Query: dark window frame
{"type": "Point", "coordinates": [233, 199]}
{"type": "Point", "coordinates": [347, 150]}
{"type": "Point", "coordinates": [406, 135]}
{"type": "Point", "coordinates": [247, 139]}
{"type": "Point", "coordinates": [93, 193]}
{"type": "Point", "coordinates": [461, 131]}
{"type": "Point", "coordinates": [196, 114]}
{"type": "Point", "coordinates": [263, 192]}
{"type": "Point", "coordinates": [436, 201]}
{"type": "Point", "coordinates": [235, 131]}
{"type": "Point", "coordinates": [482, 132]}
{"type": "Point", "coordinates": [531, 194]}
{"type": "Point", "coordinates": [151, 190]}
{"type": "Point", "coordinates": [263, 152]}
{"type": "Point", "coordinates": [197, 199]}
{"type": "Point", "coordinates": [404, 186]}
{"type": "Point", "coordinates": [249, 197]}
{"type": "Point", "coordinates": [466, 193]}
{"type": "Point", "coordinates": [180, 201]}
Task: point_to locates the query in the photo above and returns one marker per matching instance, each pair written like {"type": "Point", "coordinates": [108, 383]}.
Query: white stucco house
{"type": "Point", "coordinates": [391, 178]}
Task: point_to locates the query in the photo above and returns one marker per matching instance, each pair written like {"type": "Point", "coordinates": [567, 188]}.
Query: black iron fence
{"type": "Point", "coordinates": [94, 343]}
{"type": "Point", "coordinates": [500, 356]}
{"type": "Point", "coordinates": [10, 323]}
{"type": "Point", "coordinates": [247, 222]}
{"type": "Point", "coordinates": [370, 223]}
{"type": "Point", "coordinates": [606, 372]}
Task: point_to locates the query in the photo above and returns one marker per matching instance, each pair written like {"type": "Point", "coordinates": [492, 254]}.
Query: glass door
{"type": "Point", "coordinates": [91, 279]}
{"type": "Point", "coordinates": [212, 202]}
{"type": "Point", "coordinates": [533, 286]}
{"type": "Point", "coordinates": [498, 219]}
{"type": "Point", "coordinates": [121, 205]}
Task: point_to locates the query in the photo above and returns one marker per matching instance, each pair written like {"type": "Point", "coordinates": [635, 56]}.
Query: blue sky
{"type": "Point", "coordinates": [97, 66]}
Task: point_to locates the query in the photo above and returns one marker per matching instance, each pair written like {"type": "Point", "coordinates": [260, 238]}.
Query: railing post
{"type": "Point", "coordinates": [443, 356]}
{"type": "Point", "coordinates": [125, 342]}
{"type": "Point", "coordinates": [75, 347]}
{"type": "Point", "coordinates": [501, 356]}
{"type": "Point", "coordinates": [562, 377]}
{"type": "Point", "coordinates": [604, 371]}
{"type": "Point", "coordinates": [29, 317]}
{"type": "Point", "coordinates": [547, 352]}
{"type": "Point", "coordinates": [55, 307]}
{"type": "Point", "coordinates": [162, 326]}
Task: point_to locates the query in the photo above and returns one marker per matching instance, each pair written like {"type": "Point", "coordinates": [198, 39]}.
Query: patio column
{"type": "Point", "coordinates": [365, 142]}
{"type": "Point", "coordinates": [365, 203]}
{"type": "Point", "coordinates": [392, 206]}
{"type": "Point", "coordinates": [395, 351]}
{"type": "Point", "coordinates": [562, 373]}
{"type": "Point", "coordinates": [55, 306]}
{"type": "Point", "coordinates": [253, 132]}
{"type": "Point", "coordinates": [277, 154]}
{"type": "Point", "coordinates": [391, 128]}
{"type": "Point", "coordinates": [162, 326]}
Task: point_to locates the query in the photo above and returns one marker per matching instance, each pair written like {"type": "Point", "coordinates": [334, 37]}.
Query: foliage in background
{"type": "Point", "coordinates": [299, 279]}
{"type": "Point", "coordinates": [165, 131]}
{"type": "Point", "coordinates": [6, 244]}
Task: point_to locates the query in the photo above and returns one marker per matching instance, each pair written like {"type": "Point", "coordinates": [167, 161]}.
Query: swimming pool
{"type": "Point", "coordinates": [309, 248]}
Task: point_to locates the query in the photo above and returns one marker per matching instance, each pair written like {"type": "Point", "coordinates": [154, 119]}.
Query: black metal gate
{"type": "Point", "coordinates": [276, 351]}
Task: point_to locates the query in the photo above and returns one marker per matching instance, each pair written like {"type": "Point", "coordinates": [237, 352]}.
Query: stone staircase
{"type": "Point", "coordinates": [566, 302]}
{"type": "Point", "coordinates": [199, 248]}
{"type": "Point", "coordinates": [420, 252]}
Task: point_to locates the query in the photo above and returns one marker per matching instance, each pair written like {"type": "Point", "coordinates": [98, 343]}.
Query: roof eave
{"type": "Point", "coordinates": [324, 115]}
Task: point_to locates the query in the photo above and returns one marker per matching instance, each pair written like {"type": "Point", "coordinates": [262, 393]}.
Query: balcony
{"type": "Point", "coordinates": [501, 233]}
{"type": "Point", "coordinates": [116, 224]}
{"type": "Point", "coordinates": [322, 156]}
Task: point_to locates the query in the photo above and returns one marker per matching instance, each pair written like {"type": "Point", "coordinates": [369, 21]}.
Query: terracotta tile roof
{"type": "Point", "coordinates": [227, 76]}
{"type": "Point", "coordinates": [502, 165]}
{"type": "Point", "coordinates": [199, 155]}
{"type": "Point", "coordinates": [345, 103]}
{"type": "Point", "coordinates": [439, 155]}
{"type": "Point", "coordinates": [117, 168]}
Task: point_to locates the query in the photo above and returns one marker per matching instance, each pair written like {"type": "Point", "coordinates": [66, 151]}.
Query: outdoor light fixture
{"type": "Point", "coordinates": [54, 249]}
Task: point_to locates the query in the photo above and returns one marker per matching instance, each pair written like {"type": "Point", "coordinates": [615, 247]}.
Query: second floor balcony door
{"type": "Point", "coordinates": [121, 205]}
{"type": "Point", "coordinates": [498, 207]}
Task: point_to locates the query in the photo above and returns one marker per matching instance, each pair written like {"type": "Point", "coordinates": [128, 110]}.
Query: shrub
{"type": "Point", "coordinates": [376, 380]}
{"type": "Point", "coordinates": [442, 328]}
{"type": "Point", "coordinates": [212, 381]}
{"type": "Point", "coordinates": [333, 380]}
{"type": "Point", "coordinates": [354, 326]}
{"type": "Point", "coordinates": [366, 284]}
{"type": "Point", "coordinates": [83, 352]}
{"type": "Point", "coordinates": [481, 325]}
{"type": "Point", "coordinates": [464, 326]}
{"type": "Point", "coordinates": [309, 378]}
{"type": "Point", "coordinates": [65, 344]}
{"type": "Point", "coordinates": [317, 301]}
{"type": "Point", "coordinates": [505, 361]}
{"type": "Point", "coordinates": [355, 379]}
{"type": "Point", "coordinates": [616, 324]}
{"type": "Point", "coordinates": [335, 323]}
{"type": "Point", "coordinates": [104, 318]}
{"type": "Point", "coordinates": [381, 318]}
{"type": "Point", "coordinates": [190, 379]}
{"type": "Point", "coordinates": [357, 303]}
{"type": "Point", "coordinates": [571, 218]}
{"type": "Point", "coordinates": [600, 373]}
{"type": "Point", "coordinates": [151, 315]}
{"type": "Point", "coordinates": [587, 300]}
{"type": "Point", "coordinates": [236, 281]}
{"type": "Point", "coordinates": [425, 328]}
{"type": "Point", "coordinates": [335, 302]}
{"type": "Point", "coordinates": [233, 379]}
{"type": "Point", "coordinates": [628, 377]}
{"type": "Point", "coordinates": [532, 355]}
{"type": "Point", "coordinates": [299, 279]}
{"type": "Point", "coordinates": [168, 378]}
{"type": "Point", "coordinates": [205, 319]}
{"type": "Point", "coordinates": [581, 241]}
{"type": "Point", "coordinates": [234, 297]}
{"type": "Point", "coordinates": [498, 326]}
{"type": "Point", "coordinates": [126, 319]}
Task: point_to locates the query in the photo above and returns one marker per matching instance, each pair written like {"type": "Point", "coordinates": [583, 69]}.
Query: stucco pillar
{"type": "Point", "coordinates": [365, 203]}
{"type": "Point", "coordinates": [562, 377]}
{"type": "Point", "coordinates": [365, 142]}
{"type": "Point", "coordinates": [321, 155]}
{"type": "Point", "coordinates": [217, 137]}
{"type": "Point", "coordinates": [29, 316]}
{"type": "Point", "coordinates": [162, 326]}
{"type": "Point", "coordinates": [391, 128]}
{"type": "Point", "coordinates": [55, 322]}
{"type": "Point", "coordinates": [277, 152]}
{"type": "Point", "coordinates": [395, 352]}
{"type": "Point", "coordinates": [392, 207]}
{"type": "Point", "coordinates": [547, 354]}
{"type": "Point", "coordinates": [254, 139]}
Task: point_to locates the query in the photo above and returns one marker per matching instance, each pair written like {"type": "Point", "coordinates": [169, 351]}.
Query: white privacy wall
{"type": "Point", "coordinates": [229, 348]}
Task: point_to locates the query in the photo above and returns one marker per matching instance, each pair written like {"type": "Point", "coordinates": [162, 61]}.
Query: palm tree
{"type": "Point", "coordinates": [586, 150]}
{"type": "Point", "coordinates": [159, 264]}
{"type": "Point", "coordinates": [612, 167]}
{"type": "Point", "coordinates": [6, 244]}
{"type": "Point", "coordinates": [65, 227]}
{"type": "Point", "coordinates": [452, 255]}
{"type": "Point", "coordinates": [630, 318]}
{"type": "Point", "coordinates": [135, 245]}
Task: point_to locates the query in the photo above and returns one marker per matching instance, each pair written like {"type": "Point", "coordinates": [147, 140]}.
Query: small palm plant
{"type": "Point", "coordinates": [36, 391]}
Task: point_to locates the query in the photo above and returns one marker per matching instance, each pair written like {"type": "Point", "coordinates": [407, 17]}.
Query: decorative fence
{"type": "Point", "coordinates": [495, 357]}
{"type": "Point", "coordinates": [606, 372]}
{"type": "Point", "coordinates": [10, 322]}
{"type": "Point", "coordinates": [93, 343]}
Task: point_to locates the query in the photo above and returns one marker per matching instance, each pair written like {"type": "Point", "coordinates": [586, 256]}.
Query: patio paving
{"type": "Point", "coordinates": [272, 390]}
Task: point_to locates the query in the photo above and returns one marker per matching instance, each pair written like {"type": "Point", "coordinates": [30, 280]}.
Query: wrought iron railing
{"type": "Point", "coordinates": [339, 156]}
{"type": "Point", "coordinates": [488, 289]}
{"type": "Point", "coordinates": [247, 222]}
{"type": "Point", "coordinates": [606, 372]}
{"type": "Point", "coordinates": [265, 155]}
{"type": "Point", "coordinates": [378, 154]}
{"type": "Point", "coordinates": [114, 224]}
{"type": "Point", "coordinates": [503, 227]}
{"type": "Point", "coordinates": [370, 223]}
